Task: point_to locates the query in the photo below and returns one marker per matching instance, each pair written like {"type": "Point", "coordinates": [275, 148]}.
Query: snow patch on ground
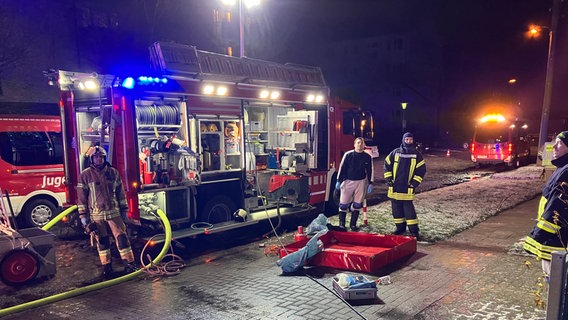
{"type": "Point", "coordinates": [447, 211]}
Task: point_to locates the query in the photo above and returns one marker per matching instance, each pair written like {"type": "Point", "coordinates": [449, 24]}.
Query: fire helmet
{"type": "Point", "coordinates": [96, 150]}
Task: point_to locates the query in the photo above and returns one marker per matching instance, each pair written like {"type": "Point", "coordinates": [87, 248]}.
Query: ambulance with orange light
{"type": "Point", "coordinates": [32, 177]}
{"type": "Point", "coordinates": [497, 140]}
{"type": "Point", "coordinates": [216, 142]}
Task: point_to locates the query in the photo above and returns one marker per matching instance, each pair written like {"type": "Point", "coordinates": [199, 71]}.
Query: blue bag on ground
{"type": "Point", "coordinates": [296, 260]}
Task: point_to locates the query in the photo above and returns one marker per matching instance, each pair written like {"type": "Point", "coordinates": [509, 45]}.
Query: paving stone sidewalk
{"type": "Point", "coordinates": [469, 276]}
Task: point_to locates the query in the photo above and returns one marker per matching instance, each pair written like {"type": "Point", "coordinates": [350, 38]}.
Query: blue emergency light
{"type": "Point", "coordinates": [129, 82]}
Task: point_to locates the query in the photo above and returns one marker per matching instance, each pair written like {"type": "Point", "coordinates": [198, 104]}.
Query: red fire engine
{"type": "Point", "coordinates": [216, 142]}
{"type": "Point", "coordinates": [31, 167]}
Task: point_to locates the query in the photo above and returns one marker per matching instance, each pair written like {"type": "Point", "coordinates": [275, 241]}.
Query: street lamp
{"type": "Point", "coordinates": [549, 72]}
{"type": "Point", "coordinates": [403, 105]}
{"type": "Point", "coordinates": [248, 4]}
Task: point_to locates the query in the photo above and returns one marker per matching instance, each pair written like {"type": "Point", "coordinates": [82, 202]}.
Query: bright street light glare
{"type": "Point", "coordinates": [251, 3]}
{"type": "Point", "coordinates": [229, 2]}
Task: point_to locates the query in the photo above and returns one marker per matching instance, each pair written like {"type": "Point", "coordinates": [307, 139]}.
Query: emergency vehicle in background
{"type": "Point", "coordinates": [31, 167]}
{"type": "Point", "coordinates": [497, 140]}
{"type": "Point", "coordinates": [216, 142]}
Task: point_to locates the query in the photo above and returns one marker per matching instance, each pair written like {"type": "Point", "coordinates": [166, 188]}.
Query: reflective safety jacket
{"type": "Point", "coordinates": [404, 170]}
{"type": "Point", "coordinates": [551, 230]}
{"type": "Point", "coordinates": [101, 194]}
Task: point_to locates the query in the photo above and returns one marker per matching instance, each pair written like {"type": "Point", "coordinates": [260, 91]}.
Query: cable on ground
{"type": "Point", "coordinates": [283, 247]}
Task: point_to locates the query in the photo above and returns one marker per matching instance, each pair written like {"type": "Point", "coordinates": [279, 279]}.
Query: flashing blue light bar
{"type": "Point", "coordinates": [129, 82]}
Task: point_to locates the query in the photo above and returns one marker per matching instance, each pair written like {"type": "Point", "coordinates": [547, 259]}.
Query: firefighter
{"type": "Point", "coordinates": [354, 180]}
{"type": "Point", "coordinates": [551, 230]}
{"type": "Point", "coordinates": [102, 207]}
{"type": "Point", "coordinates": [404, 170]}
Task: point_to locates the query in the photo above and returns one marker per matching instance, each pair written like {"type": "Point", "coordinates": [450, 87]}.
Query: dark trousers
{"type": "Point", "coordinates": [404, 215]}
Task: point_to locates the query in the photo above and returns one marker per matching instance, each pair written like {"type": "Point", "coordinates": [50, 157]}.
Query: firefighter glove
{"type": "Point", "coordinates": [369, 188]}
{"type": "Point", "coordinates": [337, 185]}
{"type": "Point", "coordinates": [389, 183]}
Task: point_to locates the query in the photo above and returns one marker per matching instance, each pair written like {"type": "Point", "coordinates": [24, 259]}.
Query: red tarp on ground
{"type": "Point", "coordinates": [357, 251]}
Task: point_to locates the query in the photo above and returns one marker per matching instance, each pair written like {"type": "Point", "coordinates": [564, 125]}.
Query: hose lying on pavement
{"type": "Point", "coordinates": [96, 286]}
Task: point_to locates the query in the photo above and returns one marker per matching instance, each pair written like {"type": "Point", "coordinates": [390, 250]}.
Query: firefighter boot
{"type": "Point", "coordinates": [129, 267]}
{"type": "Point", "coordinates": [353, 222]}
{"type": "Point", "coordinates": [107, 271]}
{"type": "Point", "coordinates": [414, 231]}
{"type": "Point", "coordinates": [342, 216]}
{"type": "Point", "coordinates": [400, 229]}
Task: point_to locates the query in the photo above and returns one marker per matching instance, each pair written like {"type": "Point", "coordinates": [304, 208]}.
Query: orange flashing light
{"type": "Point", "coordinates": [510, 147]}
{"type": "Point", "coordinates": [494, 117]}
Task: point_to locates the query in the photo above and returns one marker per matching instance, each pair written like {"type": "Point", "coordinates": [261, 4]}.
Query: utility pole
{"type": "Point", "coordinates": [549, 75]}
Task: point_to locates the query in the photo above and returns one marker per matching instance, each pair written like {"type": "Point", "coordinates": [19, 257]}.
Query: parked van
{"type": "Point", "coordinates": [497, 140]}
{"type": "Point", "coordinates": [31, 167]}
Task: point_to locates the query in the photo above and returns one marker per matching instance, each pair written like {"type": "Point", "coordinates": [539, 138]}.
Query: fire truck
{"type": "Point", "coordinates": [31, 167]}
{"type": "Point", "coordinates": [497, 140]}
{"type": "Point", "coordinates": [216, 142]}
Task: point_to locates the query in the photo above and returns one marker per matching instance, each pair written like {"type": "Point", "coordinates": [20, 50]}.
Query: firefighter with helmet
{"type": "Point", "coordinates": [102, 207]}
{"type": "Point", "coordinates": [404, 170]}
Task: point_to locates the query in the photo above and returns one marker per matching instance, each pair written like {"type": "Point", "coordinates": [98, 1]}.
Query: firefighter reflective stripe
{"type": "Point", "coordinates": [399, 195]}
{"type": "Point", "coordinates": [417, 178]}
{"type": "Point", "coordinates": [105, 256]}
{"type": "Point", "coordinates": [411, 170]}
{"type": "Point", "coordinates": [399, 220]}
{"type": "Point", "coordinates": [395, 166]}
{"type": "Point", "coordinates": [126, 254]}
{"type": "Point", "coordinates": [411, 222]}
{"type": "Point", "coordinates": [548, 226]}
{"type": "Point", "coordinates": [387, 174]}
{"type": "Point", "coordinates": [82, 189]}
{"type": "Point", "coordinates": [540, 250]}
{"type": "Point", "coordinates": [541, 205]}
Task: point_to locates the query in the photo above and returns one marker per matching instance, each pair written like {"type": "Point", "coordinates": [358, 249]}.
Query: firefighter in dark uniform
{"type": "Point", "coordinates": [404, 170]}
{"type": "Point", "coordinates": [354, 179]}
{"type": "Point", "coordinates": [551, 230]}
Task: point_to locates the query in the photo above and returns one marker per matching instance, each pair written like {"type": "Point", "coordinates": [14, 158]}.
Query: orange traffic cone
{"type": "Point", "coordinates": [448, 153]}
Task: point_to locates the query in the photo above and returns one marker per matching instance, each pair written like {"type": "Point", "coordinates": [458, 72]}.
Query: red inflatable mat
{"type": "Point", "coordinates": [357, 251]}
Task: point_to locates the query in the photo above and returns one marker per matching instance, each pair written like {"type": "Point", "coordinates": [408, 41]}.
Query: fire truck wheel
{"type": "Point", "coordinates": [38, 212]}
{"type": "Point", "coordinates": [219, 209]}
{"type": "Point", "coordinates": [18, 267]}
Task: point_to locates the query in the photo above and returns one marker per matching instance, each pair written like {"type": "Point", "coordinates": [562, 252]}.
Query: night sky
{"type": "Point", "coordinates": [482, 41]}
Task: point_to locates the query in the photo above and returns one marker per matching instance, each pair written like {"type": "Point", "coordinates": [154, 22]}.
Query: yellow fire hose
{"type": "Point", "coordinates": [96, 286]}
